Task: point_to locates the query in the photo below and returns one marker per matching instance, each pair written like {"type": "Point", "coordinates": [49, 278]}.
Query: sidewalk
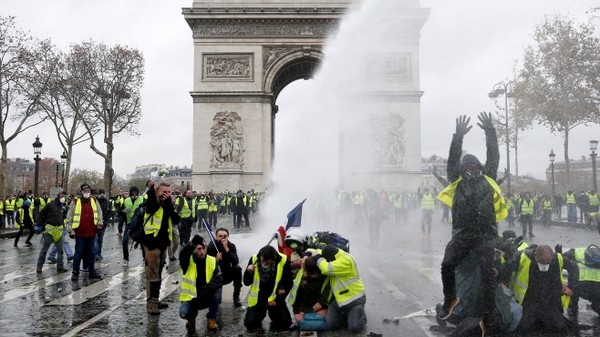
{"type": "Point", "coordinates": [8, 233]}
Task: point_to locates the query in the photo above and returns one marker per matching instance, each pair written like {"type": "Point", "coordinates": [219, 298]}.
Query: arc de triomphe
{"type": "Point", "coordinates": [246, 52]}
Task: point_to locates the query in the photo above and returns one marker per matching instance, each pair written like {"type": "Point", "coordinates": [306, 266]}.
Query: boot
{"type": "Point", "coordinates": [447, 307]}
{"type": "Point", "coordinates": [154, 292]}
{"type": "Point", "coordinates": [211, 324]}
{"type": "Point", "coordinates": [190, 325]}
{"type": "Point", "coordinates": [162, 305]}
{"type": "Point", "coordinates": [236, 295]}
{"type": "Point", "coordinates": [152, 306]}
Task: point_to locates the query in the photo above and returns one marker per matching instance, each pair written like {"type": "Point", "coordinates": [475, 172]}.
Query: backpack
{"type": "Point", "coordinates": [592, 256]}
{"type": "Point", "coordinates": [322, 239]}
{"type": "Point", "coordinates": [136, 227]}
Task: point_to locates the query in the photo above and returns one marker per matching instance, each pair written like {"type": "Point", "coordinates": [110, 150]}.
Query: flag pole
{"type": "Point", "coordinates": [210, 235]}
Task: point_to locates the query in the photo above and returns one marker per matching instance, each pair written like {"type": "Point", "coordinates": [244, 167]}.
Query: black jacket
{"type": "Point", "coordinates": [473, 214]}
{"type": "Point", "coordinates": [229, 259]}
{"type": "Point", "coordinates": [52, 214]}
{"type": "Point", "coordinates": [202, 287]}
{"type": "Point", "coordinates": [266, 286]}
{"type": "Point", "coordinates": [162, 240]}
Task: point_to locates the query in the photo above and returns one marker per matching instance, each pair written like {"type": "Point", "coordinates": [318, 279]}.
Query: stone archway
{"type": "Point", "coordinates": [245, 54]}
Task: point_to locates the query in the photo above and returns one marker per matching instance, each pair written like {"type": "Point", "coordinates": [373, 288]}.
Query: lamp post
{"type": "Point", "coordinates": [593, 147]}
{"type": "Point", "coordinates": [503, 88]}
{"type": "Point", "coordinates": [37, 151]}
{"type": "Point", "coordinates": [552, 156]}
{"type": "Point", "coordinates": [63, 162]}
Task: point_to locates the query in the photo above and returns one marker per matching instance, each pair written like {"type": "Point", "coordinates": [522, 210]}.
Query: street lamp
{"type": "Point", "coordinates": [503, 88]}
{"type": "Point", "coordinates": [593, 147]}
{"type": "Point", "coordinates": [37, 151]}
{"type": "Point", "coordinates": [63, 161]}
{"type": "Point", "coordinates": [552, 156]}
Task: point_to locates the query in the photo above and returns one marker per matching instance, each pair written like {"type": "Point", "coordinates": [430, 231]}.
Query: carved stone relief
{"type": "Point", "coordinates": [271, 54]}
{"type": "Point", "coordinates": [387, 67]}
{"type": "Point", "coordinates": [261, 28]}
{"type": "Point", "coordinates": [388, 137]}
{"type": "Point", "coordinates": [227, 141]}
{"type": "Point", "coordinates": [228, 66]}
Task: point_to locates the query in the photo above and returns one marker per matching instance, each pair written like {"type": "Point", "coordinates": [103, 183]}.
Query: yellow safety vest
{"type": "Point", "coordinates": [521, 282]}
{"type": "Point", "coordinates": [202, 204]}
{"type": "Point", "coordinates": [346, 285]}
{"type": "Point", "coordinates": [427, 202]}
{"type": "Point", "coordinates": [594, 201]}
{"type": "Point", "coordinates": [571, 199]}
{"type": "Point", "coordinates": [54, 231]}
{"type": "Point", "coordinates": [9, 205]}
{"type": "Point", "coordinates": [213, 207]}
{"type": "Point", "coordinates": [585, 273]}
{"type": "Point", "coordinates": [152, 226]}
{"type": "Point", "coordinates": [20, 215]}
{"type": "Point", "coordinates": [254, 288]}
{"type": "Point", "coordinates": [547, 204]}
{"type": "Point", "coordinates": [188, 281]}
{"type": "Point", "coordinates": [77, 213]}
{"type": "Point", "coordinates": [186, 211]}
{"type": "Point", "coordinates": [527, 207]}
{"type": "Point", "coordinates": [446, 196]}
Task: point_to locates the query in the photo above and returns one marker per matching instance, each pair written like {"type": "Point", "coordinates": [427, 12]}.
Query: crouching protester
{"type": "Point", "coordinates": [348, 306]}
{"type": "Point", "coordinates": [309, 296]}
{"type": "Point", "coordinates": [270, 279]}
{"type": "Point", "coordinates": [52, 225]}
{"type": "Point", "coordinates": [588, 286]}
{"type": "Point", "coordinates": [201, 285]}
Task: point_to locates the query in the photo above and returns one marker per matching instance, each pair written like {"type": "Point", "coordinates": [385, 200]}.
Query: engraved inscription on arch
{"type": "Point", "coordinates": [226, 67]}
{"type": "Point", "coordinates": [389, 67]}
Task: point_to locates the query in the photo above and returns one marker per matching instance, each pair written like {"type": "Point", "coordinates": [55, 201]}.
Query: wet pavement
{"type": "Point", "coordinates": [401, 275]}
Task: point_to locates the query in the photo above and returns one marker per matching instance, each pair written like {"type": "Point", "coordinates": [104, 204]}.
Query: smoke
{"type": "Point", "coordinates": [328, 140]}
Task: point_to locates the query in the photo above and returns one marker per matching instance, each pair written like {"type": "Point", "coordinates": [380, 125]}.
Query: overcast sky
{"type": "Point", "coordinates": [466, 47]}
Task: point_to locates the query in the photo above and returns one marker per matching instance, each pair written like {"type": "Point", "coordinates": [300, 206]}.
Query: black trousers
{"type": "Point", "coordinates": [542, 317]}
{"type": "Point", "coordinates": [279, 315]}
{"type": "Point", "coordinates": [456, 250]}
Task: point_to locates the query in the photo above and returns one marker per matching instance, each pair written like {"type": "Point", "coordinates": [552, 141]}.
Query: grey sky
{"type": "Point", "coordinates": [466, 47]}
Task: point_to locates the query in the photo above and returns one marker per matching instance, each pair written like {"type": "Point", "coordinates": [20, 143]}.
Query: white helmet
{"type": "Point", "coordinates": [295, 234]}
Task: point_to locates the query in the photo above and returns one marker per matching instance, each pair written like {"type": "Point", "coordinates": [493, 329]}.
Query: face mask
{"type": "Point", "coordinates": [62, 200]}
{"type": "Point", "coordinates": [86, 195]}
{"type": "Point", "coordinates": [543, 267]}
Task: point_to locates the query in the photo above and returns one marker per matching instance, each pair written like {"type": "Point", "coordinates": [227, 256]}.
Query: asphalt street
{"type": "Point", "coordinates": [401, 274]}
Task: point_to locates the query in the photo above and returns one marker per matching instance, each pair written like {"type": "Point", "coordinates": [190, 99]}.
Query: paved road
{"type": "Point", "coordinates": [401, 274]}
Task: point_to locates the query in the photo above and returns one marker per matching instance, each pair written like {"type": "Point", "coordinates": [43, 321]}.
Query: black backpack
{"type": "Point", "coordinates": [136, 227]}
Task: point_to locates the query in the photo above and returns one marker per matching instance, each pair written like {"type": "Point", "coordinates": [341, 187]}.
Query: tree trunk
{"type": "Point", "coordinates": [4, 168]}
{"type": "Point", "coordinates": [566, 150]}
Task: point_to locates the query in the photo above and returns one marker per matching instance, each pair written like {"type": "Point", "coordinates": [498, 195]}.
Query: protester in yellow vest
{"type": "Point", "coordinates": [540, 288]}
{"type": "Point", "coordinates": [158, 222]}
{"type": "Point", "coordinates": [25, 219]}
{"type": "Point", "coordinates": [571, 201]}
{"type": "Point", "coordinates": [477, 205]}
{"type": "Point", "coordinates": [588, 286]}
{"type": "Point", "coordinates": [84, 219]}
{"type": "Point", "coordinates": [270, 279]}
{"type": "Point", "coordinates": [427, 207]}
{"type": "Point", "coordinates": [201, 284]}
{"type": "Point", "coordinates": [52, 223]}
{"type": "Point", "coordinates": [526, 210]}
{"type": "Point", "coordinates": [348, 306]}
{"type": "Point", "coordinates": [546, 210]}
{"type": "Point", "coordinates": [9, 210]}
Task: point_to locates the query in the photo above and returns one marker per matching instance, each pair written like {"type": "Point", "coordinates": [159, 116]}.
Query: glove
{"type": "Point", "coordinates": [38, 229]}
{"type": "Point", "coordinates": [558, 249]}
{"type": "Point", "coordinates": [462, 125]}
{"type": "Point", "coordinates": [485, 121]}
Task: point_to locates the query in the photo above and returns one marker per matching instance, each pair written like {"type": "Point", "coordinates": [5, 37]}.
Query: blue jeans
{"type": "Point", "coordinates": [189, 309]}
{"type": "Point", "coordinates": [66, 245]}
{"type": "Point", "coordinates": [98, 243]}
{"type": "Point", "coordinates": [84, 250]}
{"type": "Point", "coordinates": [351, 315]}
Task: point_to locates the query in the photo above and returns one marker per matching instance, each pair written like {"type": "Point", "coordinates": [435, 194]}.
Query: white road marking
{"type": "Point", "coordinates": [167, 288]}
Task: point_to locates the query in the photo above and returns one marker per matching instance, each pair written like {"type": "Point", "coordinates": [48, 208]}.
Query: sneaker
{"type": "Point", "coordinates": [27, 243]}
{"type": "Point", "coordinates": [173, 259]}
{"type": "Point", "coordinates": [482, 327]}
{"type": "Point", "coordinates": [61, 270]}
{"type": "Point", "coordinates": [38, 270]}
{"type": "Point", "coordinates": [84, 270]}
{"type": "Point", "coordinates": [74, 276]}
{"type": "Point", "coordinates": [162, 305]}
{"type": "Point", "coordinates": [70, 258]}
{"type": "Point", "coordinates": [51, 260]}
{"type": "Point", "coordinates": [125, 263]}
{"type": "Point", "coordinates": [447, 308]}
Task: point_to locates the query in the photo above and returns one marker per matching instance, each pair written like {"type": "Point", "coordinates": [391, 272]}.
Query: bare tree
{"type": "Point", "coordinates": [558, 84]}
{"type": "Point", "coordinates": [112, 78]}
{"type": "Point", "coordinates": [21, 65]}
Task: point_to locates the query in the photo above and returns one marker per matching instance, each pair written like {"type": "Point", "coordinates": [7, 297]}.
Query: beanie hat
{"type": "Point", "coordinates": [133, 189]}
{"type": "Point", "coordinates": [84, 186]}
